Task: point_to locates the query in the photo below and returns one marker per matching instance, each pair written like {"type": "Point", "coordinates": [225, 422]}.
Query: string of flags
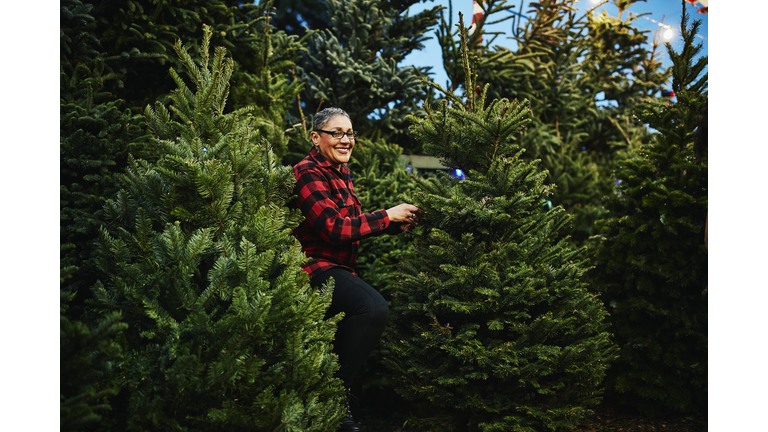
{"type": "Point", "coordinates": [704, 8]}
{"type": "Point", "coordinates": [477, 13]}
{"type": "Point", "coordinates": [667, 26]}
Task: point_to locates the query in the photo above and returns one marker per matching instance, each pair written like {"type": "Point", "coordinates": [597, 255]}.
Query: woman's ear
{"type": "Point", "coordinates": [314, 136]}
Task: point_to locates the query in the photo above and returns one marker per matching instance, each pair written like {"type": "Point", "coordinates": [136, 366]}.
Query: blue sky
{"type": "Point", "coordinates": [666, 11]}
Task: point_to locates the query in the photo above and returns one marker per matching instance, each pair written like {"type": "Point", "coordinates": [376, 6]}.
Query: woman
{"type": "Point", "coordinates": [330, 236]}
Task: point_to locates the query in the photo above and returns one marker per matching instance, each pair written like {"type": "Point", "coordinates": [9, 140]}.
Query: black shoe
{"type": "Point", "coordinates": [348, 424]}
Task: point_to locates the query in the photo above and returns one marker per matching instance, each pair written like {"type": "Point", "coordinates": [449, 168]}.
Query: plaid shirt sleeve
{"type": "Point", "coordinates": [331, 208]}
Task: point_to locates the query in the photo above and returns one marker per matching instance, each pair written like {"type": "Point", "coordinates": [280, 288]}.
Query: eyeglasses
{"type": "Point", "coordinates": [339, 134]}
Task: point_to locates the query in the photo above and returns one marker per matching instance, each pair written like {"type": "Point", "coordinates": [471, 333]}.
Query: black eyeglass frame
{"type": "Point", "coordinates": [332, 133]}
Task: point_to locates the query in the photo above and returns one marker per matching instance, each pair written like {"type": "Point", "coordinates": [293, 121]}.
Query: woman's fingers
{"type": "Point", "coordinates": [407, 213]}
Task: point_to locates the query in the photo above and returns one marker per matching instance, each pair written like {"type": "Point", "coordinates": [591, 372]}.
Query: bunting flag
{"type": "Point", "coordinates": [669, 27]}
{"type": "Point", "coordinates": [477, 13]}
{"type": "Point", "coordinates": [704, 5]}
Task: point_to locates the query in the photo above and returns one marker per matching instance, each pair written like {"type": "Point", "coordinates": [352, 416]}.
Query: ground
{"type": "Point", "coordinates": [604, 419]}
{"type": "Point", "coordinates": [612, 419]}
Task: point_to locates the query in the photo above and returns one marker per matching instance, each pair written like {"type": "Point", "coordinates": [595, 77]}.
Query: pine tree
{"type": "Point", "coordinates": [296, 17]}
{"type": "Point", "coordinates": [261, 75]}
{"type": "Point", "coordinates": [90, 356]}
{"type": "Point", "coordinates": [224, 329]}
{"type": "Point", "coordinates": [492, 326]}
{"type": "Point", "coordinates": [583, 75]}
{"type": "Point", "coordinates": [106, 46]}
{"type": "Point", "coordinates": [354, 65]}
{"type": "Point", "coordinates": [651, 262]}
{"type": "Point", "coordinates": [97, 132]}
{"type": "Point", "coordinates": [137, 37]}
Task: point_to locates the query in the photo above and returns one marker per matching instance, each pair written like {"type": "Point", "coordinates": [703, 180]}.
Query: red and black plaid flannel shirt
{"type": "Point", "coordinates": [334, 224]}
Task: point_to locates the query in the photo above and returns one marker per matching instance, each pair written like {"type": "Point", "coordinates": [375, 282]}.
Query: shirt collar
{"type": "Point", "coordinates": [320, 160]}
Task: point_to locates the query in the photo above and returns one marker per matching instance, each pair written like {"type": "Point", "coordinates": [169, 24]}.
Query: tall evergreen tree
{"type": "Point", "coordinates": [354, 65]}
{"type": "Point", "coordinates": [90, 356]}
{"type": "Point", "coordinates": [493, 327]}
{"type": "Point", "coordinates": [105, 46]}
{"type": "Point", "coordinates": [137, 37]}
{"type": "Point", "coordinates": [651, 261]}
{"type": "Point", "coordinates": [261, 75]}
{"type": "Point", "coordinates": [224, 329]}
{"type": "Point", "coordinates": [583, 74]}
{"type": "Point", "coordinates": [97, 132]}
{"type": "Point", "coordinates": [296, 17]}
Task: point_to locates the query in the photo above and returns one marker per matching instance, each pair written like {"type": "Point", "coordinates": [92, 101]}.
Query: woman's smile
{"type": "Point", "coordinates": [335, 150]}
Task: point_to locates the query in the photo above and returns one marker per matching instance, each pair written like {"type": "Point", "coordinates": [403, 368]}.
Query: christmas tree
{"type": "Point", "coordinates": [583, 74]}
{"type": "Point", "coordinates": [97, 132]}
{"type": "Point", "coordinates": [492, 325]}
{"type": "Point", "coordinates": [224, 331]}
{"type": "Point", "coordinates": [651, 261]}
{"type": "Point", "coordinates": [114, 60]}
{"type": "Point", "coordinates": [137, 39]}
{"type": "Point", "coordinates": [90, 356]}
{"type": "Point", "coordinates": [297, 17]}
{"type": "Point", "coordinates": [354, 64]}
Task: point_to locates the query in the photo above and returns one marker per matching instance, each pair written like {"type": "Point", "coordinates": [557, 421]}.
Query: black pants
{"type": "Point", "coordinates": [366, 316]}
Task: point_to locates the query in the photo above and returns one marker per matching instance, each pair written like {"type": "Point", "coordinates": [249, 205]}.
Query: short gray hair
{"type": "Point", "coordinates": [324, 116]}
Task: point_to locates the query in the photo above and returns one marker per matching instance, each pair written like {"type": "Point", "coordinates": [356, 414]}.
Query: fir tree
{"type": "Point", "coordinates": [651, 261]}
{"type": "Point", "coordinates": [493, 327]}
{"type": "Point", "coordinates": [261, 75]}
{"type": "Point", "coordinates": [137, 38]}
{"type": "Point", "coordinates": [596, 71]}
{"type": "Point", "coordinates": [97, 132]}
{"type": "Point", "coordinates": [90, 356]}
{"type": "Point", "coordinates": [224, 329]}
{"type": "Point", "coordinates": [354, 65]}
{"type": "Point", "coordinates": [296, 17]}
{"type": "Point", "coordinates": [99, 57]}
{"type": "Point", "coordinates": [583, 75]}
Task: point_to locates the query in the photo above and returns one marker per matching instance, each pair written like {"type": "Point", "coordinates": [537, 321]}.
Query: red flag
{"type": "Point", "coordinates": [703, 8]}
{"type": "Point", "coordinates": [477, 13]}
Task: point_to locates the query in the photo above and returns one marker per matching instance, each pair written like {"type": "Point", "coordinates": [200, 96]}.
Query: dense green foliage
{"type": "Point", "coordinates": [96, 131]}
{"type": "Point", "coordinates": [224, 329]}
{"type": "Point", "coordinates": [493, 327]}
{"type": "Point", "coordinates": [583, 73]}
{"type": "Point", "coordinates": [114, 61]}
{"type": "Point", "coordinates": [354, 64]}
{"type": "Point", "coordinates": [381, 182]}
{"type": "Point", "coordinates": [208, 172]}
{"type": "Point", "coordinates": [650, 260]}
{"type": "Point", "coordinates": [90, 356]}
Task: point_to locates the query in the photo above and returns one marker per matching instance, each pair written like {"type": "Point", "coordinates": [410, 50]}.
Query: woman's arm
{"type": "Point", "coordinates": [327, 218]}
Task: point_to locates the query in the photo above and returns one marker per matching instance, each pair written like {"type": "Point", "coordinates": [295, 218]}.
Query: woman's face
{"type": "Point", "coordinates": [335, 151]}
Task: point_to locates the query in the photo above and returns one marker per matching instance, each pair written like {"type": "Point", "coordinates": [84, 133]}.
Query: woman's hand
{"type": "Point", "coordinates": [406, 213]}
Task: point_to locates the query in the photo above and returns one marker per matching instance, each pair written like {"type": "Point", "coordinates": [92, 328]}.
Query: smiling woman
{"type": "Point", "coordinates": [333, 137]}
{"type": "Point", "coordinates": [330, 234]}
